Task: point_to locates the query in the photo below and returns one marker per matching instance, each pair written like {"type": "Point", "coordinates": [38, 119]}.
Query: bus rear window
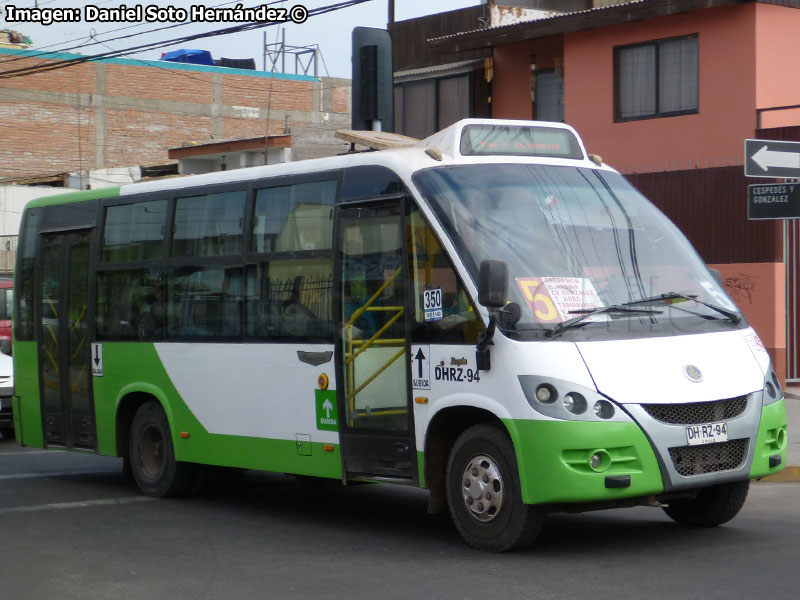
{"type": "Point", "coordinates": [519, 140]}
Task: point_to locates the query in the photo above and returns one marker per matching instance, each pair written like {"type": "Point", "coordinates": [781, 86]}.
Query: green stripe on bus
{"type": "Point", "coordinates": [70, 197]}
{"type": "Point", "coordinates": [26, 387]}
{"type": "Point", "coordinates": [125, 362]}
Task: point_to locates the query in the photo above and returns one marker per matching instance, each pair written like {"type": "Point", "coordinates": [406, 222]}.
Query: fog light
{"type": "Point", "coordinates": [574, 403]}
{"type": "Point", "coordinates": [600, 461]}
{"type": "Point", "coordinates": [546, 394]}
{"type": "Point", "coordinates": [770, 390]}
{"type": "Point", "coordinates": [603, 409]}
{"type": "Point", "coordinates": [780, 439]}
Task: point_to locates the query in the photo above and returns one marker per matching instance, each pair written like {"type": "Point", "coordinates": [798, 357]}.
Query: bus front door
{"type": "Point", "coordinates": [376, 424]}
{"type": "Point", "coordinates": [65, 372]}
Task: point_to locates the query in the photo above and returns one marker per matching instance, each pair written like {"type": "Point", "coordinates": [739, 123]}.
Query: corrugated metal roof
{"type": "Point", "coordinates": [523, 24]}
{"type": "Point", "coordinates": [583, 19]}
{"type": "Point", "coordinates": [454, 67]}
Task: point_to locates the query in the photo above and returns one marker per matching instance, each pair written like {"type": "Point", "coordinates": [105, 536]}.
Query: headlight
{"type": "Point", "coordinates": [546, 393]}
{"type": "Point", "coordinates": [772, 387]}
{"type": "Point", "coordinates": [603, 409]}
{"type": "Point", "coordinates": [575, 403]}
{"type": "Point", "coordinates": [560, 399]}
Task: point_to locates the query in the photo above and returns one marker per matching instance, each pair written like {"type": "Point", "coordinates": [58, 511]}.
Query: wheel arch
{"type": "Point", "coordinates": [442, 430]}
{"type": "Point", "coordinates": [129, 400]}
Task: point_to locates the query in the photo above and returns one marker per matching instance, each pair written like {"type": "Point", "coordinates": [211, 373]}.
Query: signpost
{"type": "Point", "coordinates": [773, 201]}
{"type": "Point", "coordinates": [768, 158]}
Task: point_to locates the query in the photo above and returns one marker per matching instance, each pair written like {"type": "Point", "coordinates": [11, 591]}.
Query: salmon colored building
{"type": "Point", "coordinates": [666, 91]}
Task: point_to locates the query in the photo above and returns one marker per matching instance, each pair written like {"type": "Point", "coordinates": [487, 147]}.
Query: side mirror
{"type": "Point", "coordinates": [5, 346]}
{"type": "Point", "coordinates": [493, 294]}
{"type": "Point", "coordinates": [493, 284]}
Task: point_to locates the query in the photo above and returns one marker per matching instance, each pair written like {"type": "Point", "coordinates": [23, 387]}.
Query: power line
{"type": "Point", "coordinates": [60, 64]}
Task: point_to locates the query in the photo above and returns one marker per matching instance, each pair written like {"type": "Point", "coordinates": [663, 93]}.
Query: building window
{"type": "Point", "coordinates": [423, 107]}
{"type": "Point", "coordinates": [656, 79]}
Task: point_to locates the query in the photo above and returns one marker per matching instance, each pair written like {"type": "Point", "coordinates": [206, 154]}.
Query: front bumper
{"type": "Point", "coordinates": [554, 457]}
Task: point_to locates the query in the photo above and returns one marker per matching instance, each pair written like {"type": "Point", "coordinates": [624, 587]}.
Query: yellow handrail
{"type": "Point", "coordinates": [372, 299]}
{"type": "Point", "coordinates": [355, 392]}
{"type": "Point", "coordinates": [378, 333]}
{"type": "Point", "coordinates": [349, 363]}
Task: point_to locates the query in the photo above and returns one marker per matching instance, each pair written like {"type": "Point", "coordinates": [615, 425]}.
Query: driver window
{"type": "Point", "coordinates": [443, 312]}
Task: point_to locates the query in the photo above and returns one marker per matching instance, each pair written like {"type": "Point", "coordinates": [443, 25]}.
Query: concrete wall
{"type": "Point", "coordinates": [122, 112]}
{"type": "Point", "coordinates": [776, 65]}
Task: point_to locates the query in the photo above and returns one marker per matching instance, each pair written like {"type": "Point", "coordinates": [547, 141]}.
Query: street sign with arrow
{"type": "Point", "coordinates": [97, 360]}
{"type": "Point", "coordinates": [421, 367]}
{"type": "Point", "coordinates": [768, 158]}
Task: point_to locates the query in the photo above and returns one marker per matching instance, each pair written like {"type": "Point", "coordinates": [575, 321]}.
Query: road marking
{"type": "Point", "coordinates": [79, 504]}
{"type": "Point", "coordinates": [56, 474]}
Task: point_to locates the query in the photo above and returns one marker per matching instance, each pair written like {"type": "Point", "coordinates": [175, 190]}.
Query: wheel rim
{"type": "Point", "coordinates": [482, 488]}
{"type": "Point", "coordinates": [151, 452]}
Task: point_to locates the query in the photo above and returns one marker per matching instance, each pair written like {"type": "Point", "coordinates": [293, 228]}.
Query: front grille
{"type": "Point", "coordinates": [709, 458]}
{"type": "Point", "coordinates": [694, 413]}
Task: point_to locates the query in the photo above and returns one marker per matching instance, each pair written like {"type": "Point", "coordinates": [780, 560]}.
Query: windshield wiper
{"type": "Point", "coordinates": [736, 319]}
{"type": "Point", "coordinates": [622, 308]}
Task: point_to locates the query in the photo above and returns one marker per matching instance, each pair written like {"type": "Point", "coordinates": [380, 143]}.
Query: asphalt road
{"type": "Point", "coordinates": [73, 527]}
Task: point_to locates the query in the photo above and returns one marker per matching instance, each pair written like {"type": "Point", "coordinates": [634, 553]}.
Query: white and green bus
{"type": "Point", "coordinates": [491, 314]}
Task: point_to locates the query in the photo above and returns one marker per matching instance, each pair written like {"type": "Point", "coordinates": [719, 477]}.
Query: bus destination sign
{"type": "Point", "coordinates": [773, 201]}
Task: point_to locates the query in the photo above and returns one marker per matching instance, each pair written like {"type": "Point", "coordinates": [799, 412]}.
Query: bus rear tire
{"type": "Point", "coordinates": [712, 506]}
{"type": "Point", "coordinates": [484, 493]}
{"type": "Point", "coordinates": [7, 433]}
{"type": "Point", "coordinates": [152, 456]}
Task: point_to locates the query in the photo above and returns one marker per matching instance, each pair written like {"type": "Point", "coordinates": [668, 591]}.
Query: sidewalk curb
{"type": "Point", "coordinates": [789, 475]}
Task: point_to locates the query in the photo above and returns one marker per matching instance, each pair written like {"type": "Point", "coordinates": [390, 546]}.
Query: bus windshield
{"type": "Point", "coordinates": [575, 240]}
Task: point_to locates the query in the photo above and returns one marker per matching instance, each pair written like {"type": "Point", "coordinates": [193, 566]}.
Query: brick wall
{"type": "Point", "coordinates": [126, 112]}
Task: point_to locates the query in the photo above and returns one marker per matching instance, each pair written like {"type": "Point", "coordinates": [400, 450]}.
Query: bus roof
{"type": "Point", "coordinates": [468, 141]}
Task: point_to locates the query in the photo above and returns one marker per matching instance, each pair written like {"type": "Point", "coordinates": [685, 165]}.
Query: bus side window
{"type": "Point", "coordinates": [209, 225]}
{"type": "Point", "coordinates": [130, 305]}
{"type": "Point", "coordinates": [294, 218]}
{"type": "Point", "coordinates": [24, 327]}
{"type": "Point", "coordinates": [449, 316]}
{"type": "Point", "coordinates": [290, 299]}
{"type": "Point", "coordinates": [204, 302]}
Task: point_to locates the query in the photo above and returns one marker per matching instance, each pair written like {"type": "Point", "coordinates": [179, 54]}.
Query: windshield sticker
{"type": "Point", "coordinates": [433, 304]}
{"type": "Point", "coordinates": [755, 342]}
{"type": "Point", "coordinates": [556, 299]}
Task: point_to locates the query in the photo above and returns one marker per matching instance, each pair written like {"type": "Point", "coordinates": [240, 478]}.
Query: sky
{"type": "Point", "coordinates": [330, 31]}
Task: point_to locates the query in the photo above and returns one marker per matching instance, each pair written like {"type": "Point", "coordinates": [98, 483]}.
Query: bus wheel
{"type": "Point", "coordinates": [152, 456]}
{"type": "Point", "coordinates": [8, 433]}
{"type": "Point", "coordinates": [712, 506]}
{"type": "Point", "coordinates": [484, 493]}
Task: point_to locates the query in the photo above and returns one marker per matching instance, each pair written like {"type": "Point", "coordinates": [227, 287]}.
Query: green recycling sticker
{"type": "Point", "coordinates": [327, 415]}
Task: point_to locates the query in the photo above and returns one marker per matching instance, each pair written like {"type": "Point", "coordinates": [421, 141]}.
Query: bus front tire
{"type": "Point", "coordinates": [484, 493]}
{"type": "Point", "coordinates": [152, 456]}
{"type": "Point", "coordinates": [712, 506]}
